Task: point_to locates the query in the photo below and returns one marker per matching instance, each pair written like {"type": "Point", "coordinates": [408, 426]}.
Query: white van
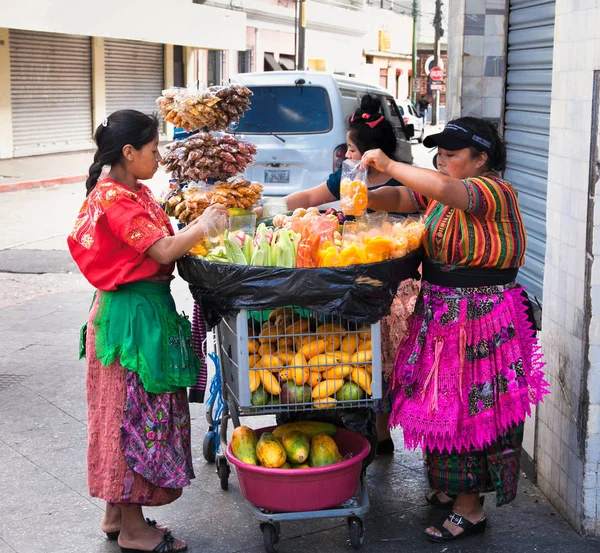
{"type": "Point", "coordinates": [298, 121]}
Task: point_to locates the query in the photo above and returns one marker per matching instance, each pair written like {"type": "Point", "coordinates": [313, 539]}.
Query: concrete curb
{"type": "Point", "coordinates": [23, 185]}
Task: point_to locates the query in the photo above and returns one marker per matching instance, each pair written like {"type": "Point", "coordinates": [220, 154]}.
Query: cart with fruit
{"type": "Point", "coordinates": [295, 306]}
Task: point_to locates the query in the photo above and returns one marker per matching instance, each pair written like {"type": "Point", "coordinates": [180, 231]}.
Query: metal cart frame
{"type": "Point", "coordinates": [234, 364]}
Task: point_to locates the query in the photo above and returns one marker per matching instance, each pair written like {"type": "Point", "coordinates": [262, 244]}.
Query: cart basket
{"type": "Point", "coordinates": [362, 293]}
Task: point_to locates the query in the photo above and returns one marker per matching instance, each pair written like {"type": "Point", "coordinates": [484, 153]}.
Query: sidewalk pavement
{"type": "Point", "coordinates": [45, 507]}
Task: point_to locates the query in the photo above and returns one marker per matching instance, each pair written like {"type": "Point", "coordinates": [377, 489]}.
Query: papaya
{"type": "Point", "coordinates": [362, 378]}
{"type": "Point", "coordinates": [361, 357]}
{"type": "Point", "coordinates": [323, 451]}
{"type": "Point", "coordinates": [294, 393]}
{"type": "Point", "coordinates": [312, 346]}
{"type": "Point", "coordinates": [332, 342]}
{"type": "Point", "coordinates": [267, 349]}
{"type": "Point", "coordinates": [243, 445]}
{"type": "Point", "coordinates": [341, 371]}
{"type": "Point", "coordinates": [252, 346]}
{"type": "Point", "coordinates": [299, 360]}
{"type": "Point", "coordinates": [310, 428]}
{"type": "Point", "coordinates": [350, 391]}
{"type": "Point", "coordinates": [302, 466]}
{"type": "Point", "coordinates": [349, 344]}
{"type": "Point", "coordinates": [284, 375]}
{"type": "Point", "coordinates": [269, 451]}
{"type": "Point", "coordinates": [270, 383]}
{"type": "Point", "coordinates": [253, 359]}
{"type": "Point", "coordinates": [269, 334]}
{"type": "Point", "coordinates": [286, 465]}
{"type": "Point", "coordinates": [299, 327]}
{"type": "Point", "coordinates": [286, 357]}
{"type": "Point", "coordinates": [254, 378]}
{"type": "Point", "coordinates": [331, 328]}
{"type": "Point", "coordinates": [320, 359]}
{"type": "Point", "coordinates": [314, 378]}
{"type": "Point", "coordinates": [325, 403]}
{"type": "Point", "coordinates": [296, 445]}
{"type": "Point", "coordinates": [299, 376]}
{"type": "Point", "coordinates": [326, 388]}
{"type": "Point", "coordinates": [340, 457]}
{"type": "Point", "coordinates": [269, 361]}
{"type": "Point", "coordinates": [259, 397]}
{"type": "Point", "coordinates": [286, 345]}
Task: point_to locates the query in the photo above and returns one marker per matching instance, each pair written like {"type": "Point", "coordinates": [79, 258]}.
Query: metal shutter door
{"type": "Point", "coordinates": [527, 123]}
{"type": "Point", "coordinates": [51, 92]}
{"type": "Point", "coordinates": [134, 75]}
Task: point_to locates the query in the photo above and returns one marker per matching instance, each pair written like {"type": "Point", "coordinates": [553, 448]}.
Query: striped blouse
{"type": "Point", "coordinates": [490, 233]}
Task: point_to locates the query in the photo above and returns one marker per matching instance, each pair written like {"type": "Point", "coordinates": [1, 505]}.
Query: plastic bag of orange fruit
{"type": "Point", "coordinates": [406, 235]}
{"type": "Point", "coordinates": [353, 189]}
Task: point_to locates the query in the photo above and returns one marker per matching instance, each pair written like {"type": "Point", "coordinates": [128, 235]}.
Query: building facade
{"type": "Point", "coordinates": [64, 68]}
{"type": "Point", "coordinates": [534, 68]}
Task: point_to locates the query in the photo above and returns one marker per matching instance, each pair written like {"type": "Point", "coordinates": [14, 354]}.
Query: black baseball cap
{"type": "Point", "coordinates": [456, 137]}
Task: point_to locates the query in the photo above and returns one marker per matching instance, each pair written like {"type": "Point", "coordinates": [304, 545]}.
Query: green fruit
{"type": "Point", "coordinates": [297, 446]}
{"type": "Point", "coordinates": [350, 391]}
{"type": "Point", "coordinates": [286, 465]}
{"type": "Point", "coordinates": [260, 397]}
{"type": "Point", "coordinates": [292, 393]}
{"type": "Point", "coordinates": [323, 451]}
{"type": "Point", "coordinates": [269, 451]}
{"type": "Point", "coordinates": [274, 400]}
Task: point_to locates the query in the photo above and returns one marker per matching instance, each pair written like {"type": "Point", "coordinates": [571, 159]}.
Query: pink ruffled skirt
{"type": "Point", "coordinates": [469, 368]}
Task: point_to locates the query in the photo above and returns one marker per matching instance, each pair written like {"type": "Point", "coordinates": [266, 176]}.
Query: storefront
{"type": "Point", "coordinates": [51, 92]}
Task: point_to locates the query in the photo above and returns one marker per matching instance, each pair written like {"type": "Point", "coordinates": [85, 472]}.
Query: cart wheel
{"type": "Point", "coordinates": [357, 532]}
{"type": "Point", "coordinates": [208, 447]}
{"type": "Point", "coordinates": [223, 471]}
{"type": "Point", "coordinates": [270, 537]}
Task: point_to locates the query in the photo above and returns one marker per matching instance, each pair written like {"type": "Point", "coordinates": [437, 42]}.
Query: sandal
{"type": "Point", "coordinates": [435, 501]}
{"type": "Point", "coordinates": [469, 529]}
{"type": "Point", "coordinates": [113, 536]}
{"type": "Point", "coordinates": [165, 546]}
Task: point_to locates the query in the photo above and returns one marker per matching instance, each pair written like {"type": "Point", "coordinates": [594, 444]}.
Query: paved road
{"type": "Point", "coordinates": [44, 503]}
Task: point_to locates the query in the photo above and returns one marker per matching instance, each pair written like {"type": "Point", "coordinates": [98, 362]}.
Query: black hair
{"type": "Point", "coordinates": [126, 126]}
{"type": "Point", "coordinates": [488, 130]}
{"type": "Point", "coordinates": [365, 137]}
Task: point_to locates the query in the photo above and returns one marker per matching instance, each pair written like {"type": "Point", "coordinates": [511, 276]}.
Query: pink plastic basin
{"type": "Point", "coordinates": [297, 490]}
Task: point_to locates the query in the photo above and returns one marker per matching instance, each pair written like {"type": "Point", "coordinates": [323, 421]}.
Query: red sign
{"type": "Point", "coordinates": [436, 74]}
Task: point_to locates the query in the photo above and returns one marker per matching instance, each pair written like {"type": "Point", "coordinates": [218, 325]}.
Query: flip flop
{"type": "Point", "coordinates": [112, 536]}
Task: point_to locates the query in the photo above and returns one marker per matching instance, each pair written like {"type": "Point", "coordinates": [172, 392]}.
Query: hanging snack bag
{"type": "Point", "coordinates": [353, 188]}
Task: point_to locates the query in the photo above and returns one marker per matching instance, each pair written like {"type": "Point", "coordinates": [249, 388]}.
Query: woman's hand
{"type": "Point", "coordinates": [210, 214]}
{"type": "Point", "coordinates": [376, 159]}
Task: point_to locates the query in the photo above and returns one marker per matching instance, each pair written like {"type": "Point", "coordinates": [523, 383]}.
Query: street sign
{"type": "Point", "coordinates": [437, 86]}
{"type": "Point", "coordinates": [436, 74]}
{"type": "Point", "coordinates": [416, 84]}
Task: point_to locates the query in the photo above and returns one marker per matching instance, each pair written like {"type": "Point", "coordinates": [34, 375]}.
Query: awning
{"type": "Point", "coordinates": [175, 22]}
{"type": "Point", "coordinates": [287, 64]}
{"type": "Point", "coordinates": [271, 62]}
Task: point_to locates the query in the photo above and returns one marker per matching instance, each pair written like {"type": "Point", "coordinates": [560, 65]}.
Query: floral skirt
{"type": "Point", "coordinates": [139, 448]}
{"type": "Point", "coordinates": [469, 369]}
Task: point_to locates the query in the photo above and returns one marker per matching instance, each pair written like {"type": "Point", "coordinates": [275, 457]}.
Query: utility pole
{"type": "Point", "coordinates": [437, 24]}
{"type": "Point", "coordinates": [415, 77]}
{"type": "Point", "coordinates": [301, 65]}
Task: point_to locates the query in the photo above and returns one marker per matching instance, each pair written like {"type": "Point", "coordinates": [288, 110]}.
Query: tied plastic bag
{"type": "Point", "coordinates": [359, 293]}
{"type": "Point", "coordinates": [353, 188]}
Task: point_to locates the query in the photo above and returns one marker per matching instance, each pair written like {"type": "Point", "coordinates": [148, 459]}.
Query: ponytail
{"type": "Point", "coordinates": [119, 129]}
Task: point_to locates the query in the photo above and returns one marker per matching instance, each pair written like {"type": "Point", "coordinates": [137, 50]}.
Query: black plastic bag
{"type": "Point", "coordinates": [361, 293]}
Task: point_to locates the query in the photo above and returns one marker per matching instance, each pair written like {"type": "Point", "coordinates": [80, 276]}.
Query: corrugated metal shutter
{"type": "Point", "coordinates": [527, 123]}
{"type": "Point", "coordinates": [51, 92]}
{"type": "Point", "coordinates": [134, 75]}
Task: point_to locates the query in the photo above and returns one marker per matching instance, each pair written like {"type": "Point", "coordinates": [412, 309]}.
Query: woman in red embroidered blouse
{"type": "Point", "coordinates": [138, 417]}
